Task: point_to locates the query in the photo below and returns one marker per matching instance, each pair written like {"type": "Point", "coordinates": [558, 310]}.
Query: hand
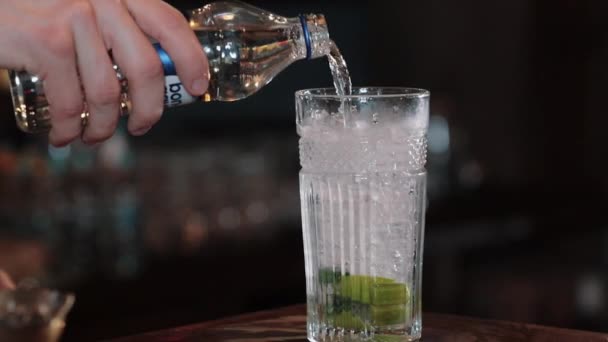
{"type": "Point", "coordinates": [66, 43]}
{"type": "Point", "coordinates": [5, 281]}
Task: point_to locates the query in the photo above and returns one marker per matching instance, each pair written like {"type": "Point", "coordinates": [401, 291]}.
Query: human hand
{"type": "Point", "coordinates": [6, 283]}
{"type": "Point", "coordinates": [66, 43]}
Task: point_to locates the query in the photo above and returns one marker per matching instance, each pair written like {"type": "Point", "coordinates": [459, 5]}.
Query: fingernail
{"type": "Point", "coordinates": [141, 131]}
{"type": "Point", "coordinates": [199, 86]}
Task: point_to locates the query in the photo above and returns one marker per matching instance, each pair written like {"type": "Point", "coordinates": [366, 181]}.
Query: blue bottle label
{"type": "Point", "coordinates": [175, 92]}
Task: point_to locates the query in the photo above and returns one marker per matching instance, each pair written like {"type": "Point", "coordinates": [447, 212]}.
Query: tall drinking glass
{"type": "Point", "coordinates": [363, 188]}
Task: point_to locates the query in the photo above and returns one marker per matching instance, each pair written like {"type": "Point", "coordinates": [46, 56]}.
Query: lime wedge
{"type": "Point", "coordinates": [388, 294]}
{"type": "Point", "coordinates": [356, 288]}
{"type": "Point", "coordinates": [373, 290]}
{"type": "Point", "coordinates": [388, 314]}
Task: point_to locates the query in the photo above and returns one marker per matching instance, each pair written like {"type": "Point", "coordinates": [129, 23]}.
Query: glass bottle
{"type": "Point", "coordinates": [246, 47]}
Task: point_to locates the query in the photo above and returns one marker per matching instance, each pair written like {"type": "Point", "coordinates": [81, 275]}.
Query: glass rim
{"type": "Point", "coordinates": [374, 92]}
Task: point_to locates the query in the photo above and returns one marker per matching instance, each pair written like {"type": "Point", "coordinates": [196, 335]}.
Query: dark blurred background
{"type": "Point", "coordinates": [200, 219]}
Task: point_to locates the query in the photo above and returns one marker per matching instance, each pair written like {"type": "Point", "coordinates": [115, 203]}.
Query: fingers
{"type": "Point", "coordinates": [17, 57]}
{"type": "Point", "coordinates": [5, 281]}
{"type": "Point", "coordinates": [62, 89]}
{"type": "Point", "coordinates": [101, 87]}
{"type": "Point", "coordinates": [138, 60]}
{"type": "Point", "coordinates": [169, 27]}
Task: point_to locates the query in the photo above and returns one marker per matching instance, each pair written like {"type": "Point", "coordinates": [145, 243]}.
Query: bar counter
{"type": "Point", "coordinates": [289, 324]}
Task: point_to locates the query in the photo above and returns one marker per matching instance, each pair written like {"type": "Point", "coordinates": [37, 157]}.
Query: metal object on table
{"type": "Point", "coordinates": [33, 314]}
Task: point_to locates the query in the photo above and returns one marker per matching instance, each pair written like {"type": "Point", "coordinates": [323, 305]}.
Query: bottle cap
{"type": "Point", "coordinates": [316, 35]}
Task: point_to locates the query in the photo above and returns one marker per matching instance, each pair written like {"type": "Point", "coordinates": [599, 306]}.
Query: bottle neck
{"type": "Point", "coordinates": [312, 37]}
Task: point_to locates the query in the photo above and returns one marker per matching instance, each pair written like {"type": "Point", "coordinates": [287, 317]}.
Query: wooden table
{"type": "Point", "coordinates": [289, 324]}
